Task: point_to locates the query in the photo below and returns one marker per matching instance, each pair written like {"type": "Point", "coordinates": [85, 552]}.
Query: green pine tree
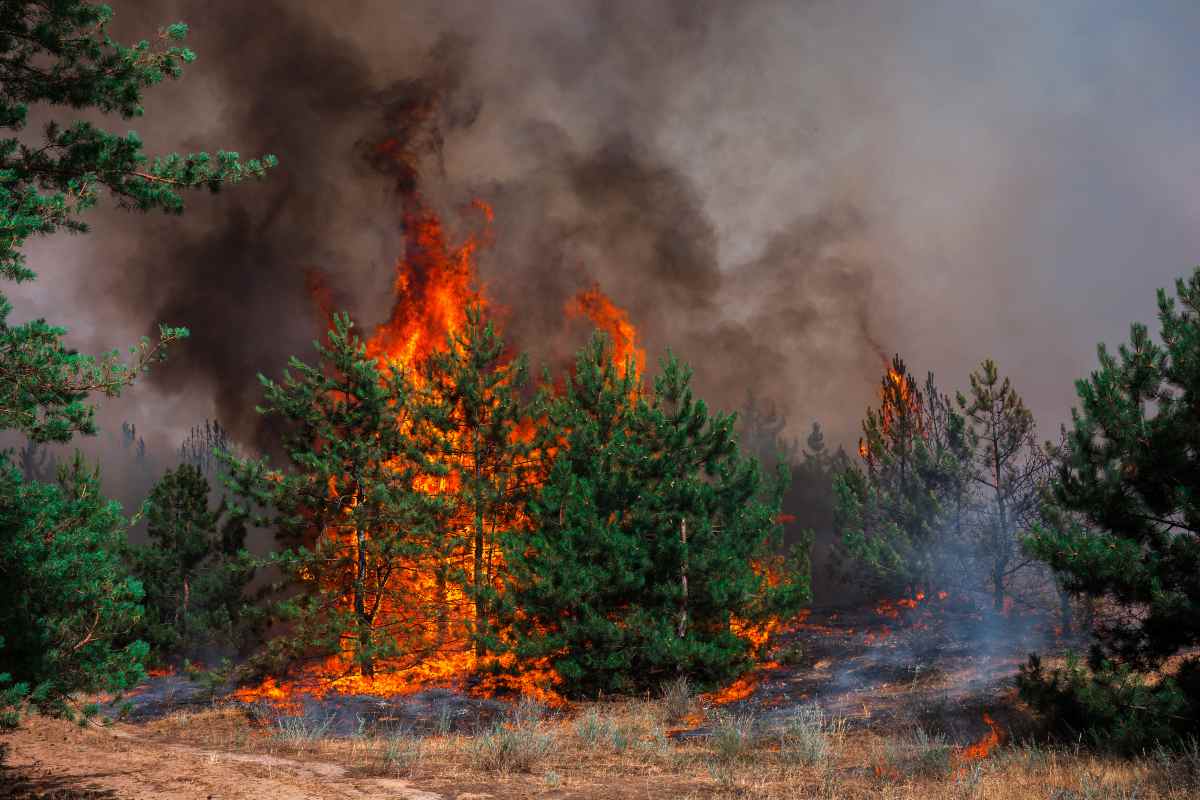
{"type": "Point", "coordinates": [1131, 469]}
{"type": "Point", "coordinates": [69, 605]}
{"type": "Point", "coordinates": [194, 570]}
{"type": "Point", "coordinates": [59, 56]}
{"type": "Point", "coordinates": [473, 408]}
{"type": "Point", "coordinates": [1011, 469]}
{"type": "Point", "coordinates": [1123, 530]}
{"type": "Point", "coordinates": [349, 509]}
{"type": "Point", "coordinates": [645, 537]}
{"type": "Point", "coordinates": [57, 60]}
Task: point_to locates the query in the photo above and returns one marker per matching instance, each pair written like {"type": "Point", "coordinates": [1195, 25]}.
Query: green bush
{"type": "Point", "coordinates": [1109, 705]}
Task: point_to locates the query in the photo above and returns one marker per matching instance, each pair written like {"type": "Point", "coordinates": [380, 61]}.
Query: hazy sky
{"type": "Point", "coordinates": [776, 190]}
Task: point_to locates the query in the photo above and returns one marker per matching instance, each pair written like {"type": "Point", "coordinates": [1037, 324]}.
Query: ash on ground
{"type": "Point", "coordinates": [434, 710]}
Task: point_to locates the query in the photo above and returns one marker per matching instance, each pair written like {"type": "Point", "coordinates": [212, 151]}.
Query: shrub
{"type": "Point", "coordinates": [302, 730]}
{"type": "Point", "coordinates": [918, 755]}
{"type": "Point", "coordinates": [678, 698]}
{"type": "Point", "coordinates": [515, 746]}
{"type": "Point", "coordinates": [810, 737]}
{"type": "Point", "coordinates": [402, 753]}
{"type": "Point", "coordinates": [1112, 706]}
{"type": "Point", "coordinates": [733, 738]}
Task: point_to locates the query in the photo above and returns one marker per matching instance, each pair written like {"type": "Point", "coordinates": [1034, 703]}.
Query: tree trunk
{"type": "Point", "coordinates": [998, 587]}
{"type": "Point", "coordinates": [366, 661]}
{"type": "Point", "coordinates": [1065, 613]}
{"type": "Point", "coordinates": [683, 580]}
{"type": "Point", "coordinates": [480, 650]}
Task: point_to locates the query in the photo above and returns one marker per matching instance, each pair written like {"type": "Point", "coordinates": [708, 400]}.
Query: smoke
{"type": "Point", "coordinates": [780, 192]}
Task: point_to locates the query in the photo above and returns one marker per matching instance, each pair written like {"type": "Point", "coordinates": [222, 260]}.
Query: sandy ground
{"type": "Point", "coordinates": [54, 760]}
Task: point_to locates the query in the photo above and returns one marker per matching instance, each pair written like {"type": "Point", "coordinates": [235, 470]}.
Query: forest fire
{"type": "Point", "coordinates": [901, 404]}
{"type": "Point", "coordinates": [614, 321]}
{"type": "Point", "coordinates": [429, 619]}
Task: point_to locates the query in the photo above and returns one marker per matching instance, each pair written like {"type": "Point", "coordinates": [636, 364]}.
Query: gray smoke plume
{"type": "Point", "coordinates": [778, 191]}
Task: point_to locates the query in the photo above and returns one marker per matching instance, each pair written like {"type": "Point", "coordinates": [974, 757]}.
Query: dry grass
{"type": "Point", "coordinates": [622, 749]}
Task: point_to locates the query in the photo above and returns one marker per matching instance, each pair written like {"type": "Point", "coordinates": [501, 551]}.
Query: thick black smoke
{"type": "Point", "coordinates": [778, 191]}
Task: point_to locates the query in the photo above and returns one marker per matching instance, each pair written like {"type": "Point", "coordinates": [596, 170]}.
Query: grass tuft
{"type": "Point", "coordinates": [810, 737]}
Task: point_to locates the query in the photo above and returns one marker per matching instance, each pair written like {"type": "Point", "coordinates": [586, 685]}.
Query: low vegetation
{"type": "Point", "coordinates": [621, 749]}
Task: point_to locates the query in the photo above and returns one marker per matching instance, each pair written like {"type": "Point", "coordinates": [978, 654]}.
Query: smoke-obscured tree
{"type": "Point", "coordinates": [649, 539]}
{"type": "Point", "coordinates": [69, 605]}
{"type": "Point", "coordinates": [810, 502]}
{"type": "Point", "coordinates": [65, 601]}
{"type": "Point", "coordinates": [37, 462]}
{"type": "Point", "coordinates": [762, 428]}
{"type": "Point", "coordinates": [347, 508]}
{"type": "Point", "coordinates": [808, 499]}
{"type": "Point", "coordinates": [1011, 469]}
{"type": "Point", "coordinates": [1131, 470]}
{"type": "Point", "coordinates": [898, 512]}
{"type": "Point", "coordinates": [202, 444]}
{"type": "Point", "coordinates": [194, 571]}
{"type": "Point", "coordinates": [472, 414]}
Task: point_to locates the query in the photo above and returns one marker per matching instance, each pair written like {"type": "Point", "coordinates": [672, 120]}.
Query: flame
{"type": "Point", "coordinates": [900, 399]}
{"type": "Point", "coordinates": [435, 283]}
{"type": "Point", "coordinates": [743, 687]}
{"type": "Point", "coordinates": [982, 748]}
{"type": "Point", "coordinates": [614, 321]}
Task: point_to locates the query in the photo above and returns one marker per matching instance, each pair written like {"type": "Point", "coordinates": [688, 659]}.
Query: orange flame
{"type": "Point", "coordinates": [899, 399]}
{"type": "Point", "coordinates": [435, 283]}
{"type": "Point", "coordinates": [982, 748]}
{"type": "Point", "coordinates": [614, 321]}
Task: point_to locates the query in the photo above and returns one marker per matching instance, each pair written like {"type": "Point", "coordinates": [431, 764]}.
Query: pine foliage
{"type": "Point", "coordinates": [69, 605]}
{"type": "Point", "coordinates": [58, 57]}
{"type": "Point", "coordinates": [644, 538]}
{"type": "Point", "coordinates": [348, 508]}
{"type": "Point", "coordinates": [194, 571]}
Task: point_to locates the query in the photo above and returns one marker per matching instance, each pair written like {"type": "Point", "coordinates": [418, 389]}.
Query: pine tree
{"type": "Point", "coordinates": [472, 406]}
{"type": "Point", "coordinates": [60, 55]}
{"type": "Point", "coordinates": [57, 58]}
{"type": "Point", "coordinates": [644, 538]}
{"type": "Point", "coordinates": [896, 513]}
{"type": "Point", "coordinates": [1124, 529]}
{"type": "Point", "coordinates": [349, 509]}
{"type": "Point", "coordinates": [69, 605]}
{"type": "Point", "coordinates": [1131, 469]}
{"type": "Point", "coordinates": [194, 570]}
{"type": "Point", "coordinates": [1011, 468]}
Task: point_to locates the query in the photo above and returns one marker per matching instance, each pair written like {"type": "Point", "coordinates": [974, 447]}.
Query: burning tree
{"type": "Point", "coordinates": [359, 526]}
{"type": "Point", "coordinates": [911, 497]}
{"type": "Point", "coordinates": [480, 432]}
{"type": "Point", "coordinates": [640, 560]}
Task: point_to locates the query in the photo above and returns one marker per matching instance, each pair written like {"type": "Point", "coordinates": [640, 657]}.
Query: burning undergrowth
{"type": "Point", "coordinates": [936, 664]}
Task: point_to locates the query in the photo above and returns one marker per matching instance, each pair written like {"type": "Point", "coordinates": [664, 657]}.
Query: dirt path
{"type": "Point", "coordinates": [53, 760]}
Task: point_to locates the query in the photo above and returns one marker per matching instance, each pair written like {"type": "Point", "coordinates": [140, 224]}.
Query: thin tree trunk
{"type": "Point", "coordinates": [1065, 613]}
{"type": "Point", "coordinates": [683, 580]}
{"type": "Point", "coordinates": [480, 650]}
{"type": "Point", "coordinates": [360, 605]}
